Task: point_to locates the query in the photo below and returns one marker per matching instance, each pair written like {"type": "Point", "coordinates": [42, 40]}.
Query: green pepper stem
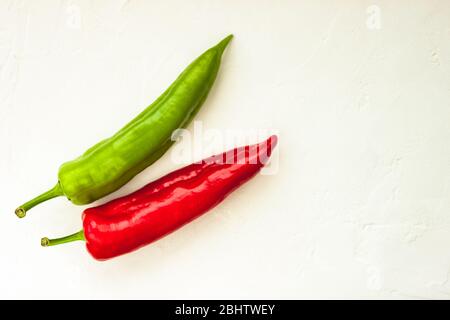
{"type": "Point", "coordinates": [77, 236]}
{"type": "Point", "coordinates": [56, 191]}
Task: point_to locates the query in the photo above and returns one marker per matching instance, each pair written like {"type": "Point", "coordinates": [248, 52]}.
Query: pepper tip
{"type": "Point", "coordinates": [45, 242]}
{"type": "Point", "coordinates": [273, 140]}
{"type": "Point", "coordinates": [20, 212]}
{"type": "Point", "coordinates": [224, 43]}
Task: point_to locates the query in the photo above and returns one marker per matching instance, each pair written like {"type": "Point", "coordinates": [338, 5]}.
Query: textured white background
{"type": "Point", "coordinates": [360, 95]}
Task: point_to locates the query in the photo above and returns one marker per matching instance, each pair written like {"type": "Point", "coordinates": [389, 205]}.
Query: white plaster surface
{"type": "Point", "coordinates": [359, 92]}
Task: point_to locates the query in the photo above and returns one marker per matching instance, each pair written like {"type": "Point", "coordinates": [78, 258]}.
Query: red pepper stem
{"type": "Point", "coordinates": [56, 191]}
{"type": "Point", "coordinates": [77, 236]}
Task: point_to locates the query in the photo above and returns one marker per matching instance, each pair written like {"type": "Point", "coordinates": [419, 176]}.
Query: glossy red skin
{"type": "Point", "coordinates": [162, 206]}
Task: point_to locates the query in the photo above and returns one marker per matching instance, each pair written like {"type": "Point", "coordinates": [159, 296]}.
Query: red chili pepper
{"type": "Point", "coordinates": [162, 206]}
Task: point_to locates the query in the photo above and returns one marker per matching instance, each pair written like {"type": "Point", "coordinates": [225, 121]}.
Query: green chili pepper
{"type": "Point", "coordinates": [113, 162]}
